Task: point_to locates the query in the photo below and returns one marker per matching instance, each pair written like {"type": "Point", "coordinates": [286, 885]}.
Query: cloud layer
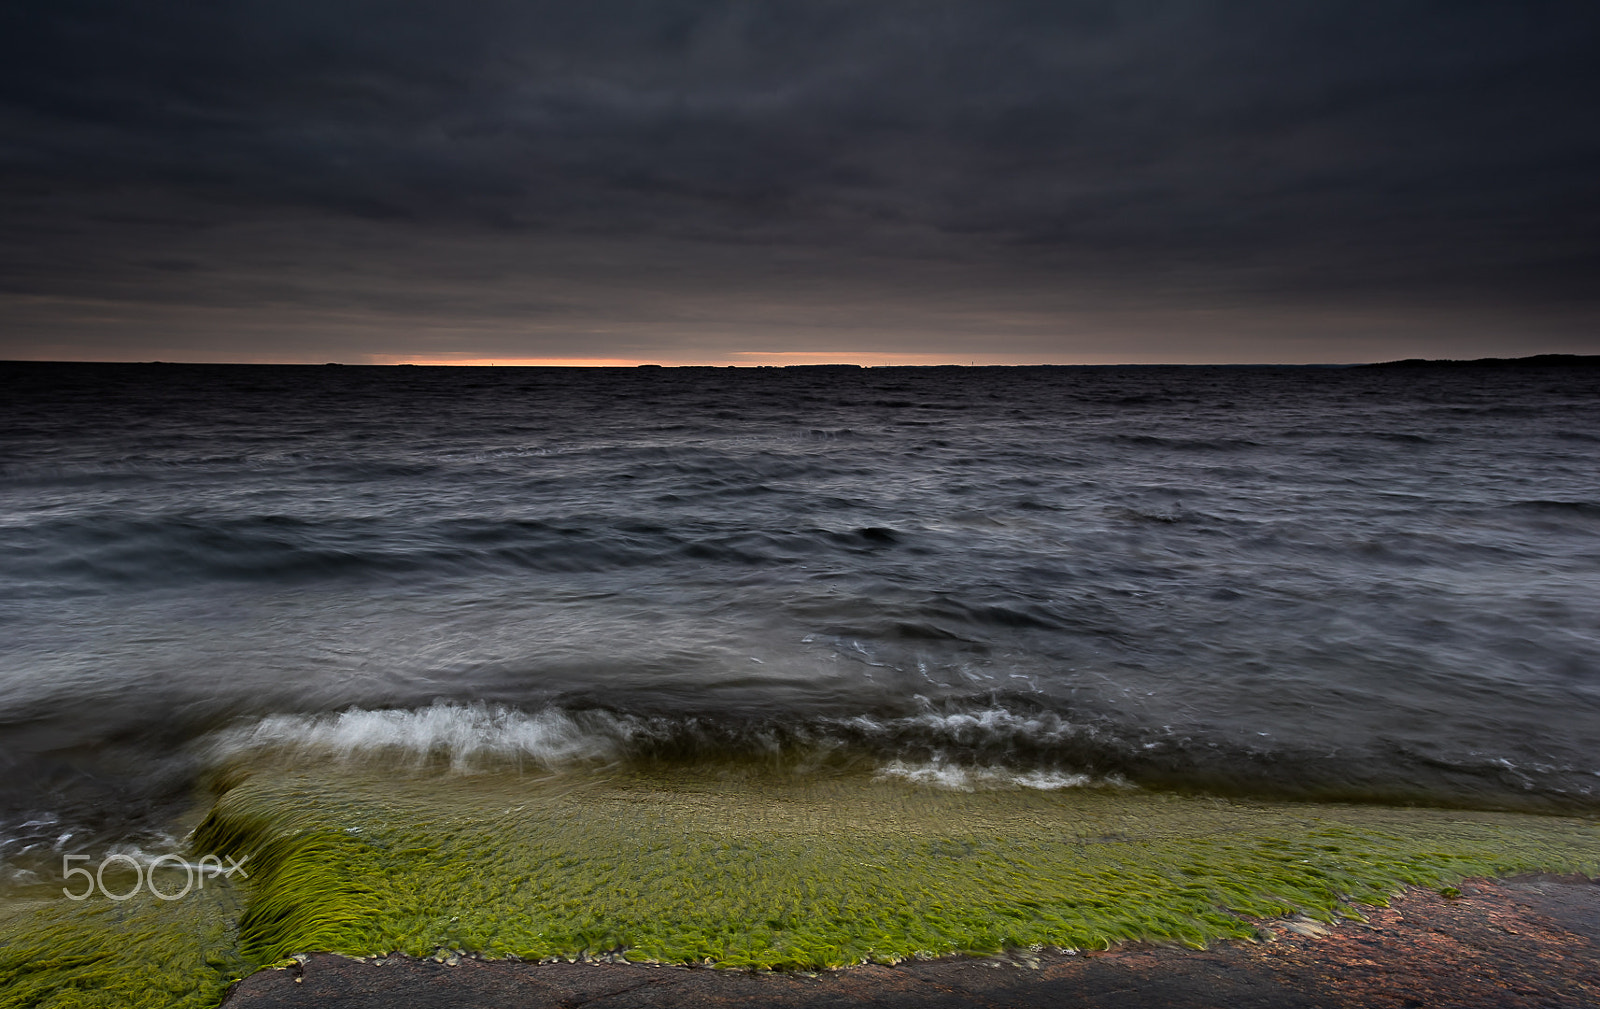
{"type": "Point", "coordinates": [654, 180]}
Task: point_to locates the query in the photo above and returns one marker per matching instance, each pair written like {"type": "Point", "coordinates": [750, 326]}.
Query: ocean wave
{"type": "Point", "coordinates": [1578, 509]}
{"type": "Point", "coordinates": [981, 747]}
{"type": "Point", "coordinates": [466, 736]}
{"type": "Point", "coordinates": [469, 736]}
{"type": "Point", "coordinates": [942, 774]}
{"type": "Point", "coordinates": [979, 729]}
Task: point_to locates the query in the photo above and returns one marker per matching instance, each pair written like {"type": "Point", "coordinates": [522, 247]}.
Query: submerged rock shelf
{"type": "Point", "coordinates": [738, 868]}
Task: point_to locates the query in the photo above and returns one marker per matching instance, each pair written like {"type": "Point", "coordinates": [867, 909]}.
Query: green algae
{"type": "Point", "coordinates": [131, 954]}
{"type": "Point", "coordinates": [769, 871]}
{"type": "Point", "coordinates": [739, 869]}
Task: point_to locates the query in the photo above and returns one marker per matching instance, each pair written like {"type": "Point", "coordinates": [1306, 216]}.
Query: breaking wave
{"type": "Point", "coordinates": [941, 774]}
{"type": "Point", "coordinates": [466, 736]}
{"type": "Point", "coordinates": [978, 748]}
{"type": "Point", "coordinates": [960, 749]}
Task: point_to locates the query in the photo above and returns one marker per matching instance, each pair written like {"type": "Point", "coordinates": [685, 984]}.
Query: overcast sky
{"type": "Point", "coordinates": [867, 180]}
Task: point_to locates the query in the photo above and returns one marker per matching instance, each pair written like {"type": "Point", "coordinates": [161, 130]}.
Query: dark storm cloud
{"type": "Point", "coordinates": [520, 160]}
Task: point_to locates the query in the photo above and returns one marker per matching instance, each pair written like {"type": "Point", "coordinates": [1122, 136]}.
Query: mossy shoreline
{"type": "Point", "coordinates": [748, 869]}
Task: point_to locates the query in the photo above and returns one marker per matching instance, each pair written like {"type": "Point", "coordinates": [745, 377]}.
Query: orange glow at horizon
{"type": "Point", "coordinates": [506, 362]}
{"type": "Point", "coordinates": [736, 359]}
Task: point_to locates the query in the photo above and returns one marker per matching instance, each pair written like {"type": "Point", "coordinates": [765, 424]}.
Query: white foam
{"type": "Point", "coordinates": [466, 735]}
{"type": "Point", "coordinates": [993, 729]}
{"type": "Point", "coordinates": [473, 736]}
{"type": "Point", "coordinates": [996, 723]}
{"type": "Point", "coordinates": [941, 774]}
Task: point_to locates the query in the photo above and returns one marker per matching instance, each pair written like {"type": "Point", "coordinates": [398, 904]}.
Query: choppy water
{"type": "Point", "coordinates": [1321, 583]}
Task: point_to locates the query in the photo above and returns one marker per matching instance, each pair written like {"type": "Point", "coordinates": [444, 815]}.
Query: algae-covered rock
{"type": "Point", "coordinates": [751, 869]}
{"type": "Point", "coordinates": [130, 954]}
{"type": "Point", "coordinates": [790, 872]}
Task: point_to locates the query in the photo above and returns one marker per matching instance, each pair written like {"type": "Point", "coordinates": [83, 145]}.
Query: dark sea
{"type": "Point", "coordinates": [1352, 584]}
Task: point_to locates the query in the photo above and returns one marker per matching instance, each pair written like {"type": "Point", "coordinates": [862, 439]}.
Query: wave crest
{"type": "Point", "coordinates": [467, 736]}
{"type": "Point", "coordinates": [942, 774]}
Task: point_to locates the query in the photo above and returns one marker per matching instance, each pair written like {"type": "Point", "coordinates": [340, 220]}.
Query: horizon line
{"type": "Point", "coordinates": [625, 364]}
{"type": "Point", "coordinates": [823, 360]}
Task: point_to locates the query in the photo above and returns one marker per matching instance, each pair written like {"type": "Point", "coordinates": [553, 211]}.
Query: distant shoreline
{"type": "Point", "coordinates": [1536, 361]}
